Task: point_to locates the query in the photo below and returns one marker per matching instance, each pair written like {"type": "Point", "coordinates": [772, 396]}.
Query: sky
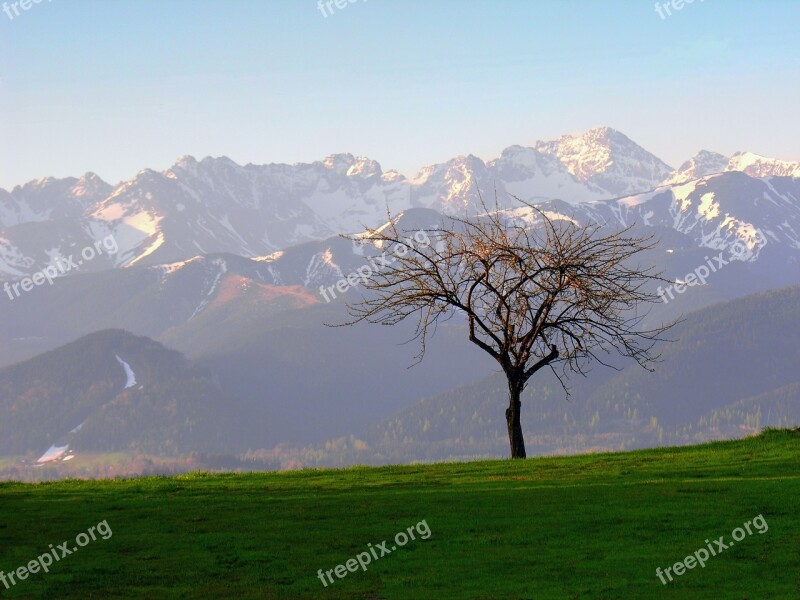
{"type": "Point", "coordinates": [115, 86]}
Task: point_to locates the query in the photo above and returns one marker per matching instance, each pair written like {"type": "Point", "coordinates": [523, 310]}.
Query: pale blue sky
{"type": "Point", "coordinates": [114, 86]}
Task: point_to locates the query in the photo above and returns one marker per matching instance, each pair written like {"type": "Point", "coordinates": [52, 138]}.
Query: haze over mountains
{"type": "Point", "coordinates": [224, 264]}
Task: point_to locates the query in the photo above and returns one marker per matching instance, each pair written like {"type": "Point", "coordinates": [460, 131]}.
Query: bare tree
{"type": "Point", "coordinates": [535, 291]}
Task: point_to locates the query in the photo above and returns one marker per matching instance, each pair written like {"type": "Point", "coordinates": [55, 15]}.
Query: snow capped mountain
{"type": "Point", "coordinates": [353, 191]}
{"type": "Point", "coordinates": [741, 216]}
{"type": "Point", "coordinates": [607, 161]}
{"type": "Point", "coordinates": [728, 211]}
{"type": "Point", "coordinates": [216, 206]}
{"type": "Point", "coordinates": [50, 199]}
{"type": "Point", "coordinates": [701, 164]}
{"type": "Point", "coordinates": [760, 166]}
{"type": "Point", "coordinates": [453, 186]}
{"type": "Point", "coordinates": [707, 163]}
{"type": "Point", "coordinates": [532, 175]}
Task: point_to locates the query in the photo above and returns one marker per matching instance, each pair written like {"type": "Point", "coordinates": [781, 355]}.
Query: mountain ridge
{"type": "Point", "coordinates": [215, 205]}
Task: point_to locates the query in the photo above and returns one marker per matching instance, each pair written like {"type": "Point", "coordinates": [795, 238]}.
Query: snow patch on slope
{"type": "Point", "coordinates": [129, 374]}
{"type": "Point", "coordinates": [221, 269]}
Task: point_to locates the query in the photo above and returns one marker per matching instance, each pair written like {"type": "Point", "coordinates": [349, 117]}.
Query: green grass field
{"type": "Point", "coordinates": [594, 526]}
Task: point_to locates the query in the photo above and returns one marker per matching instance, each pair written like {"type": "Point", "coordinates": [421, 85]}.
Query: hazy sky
{"type": "Point", "coordinates": [114, 86]}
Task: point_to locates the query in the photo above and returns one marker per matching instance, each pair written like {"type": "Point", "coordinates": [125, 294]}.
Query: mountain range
{"type": "Point", "coordinates": [216, 206]}
{"type": "Point", "coordinates": [222, 288]}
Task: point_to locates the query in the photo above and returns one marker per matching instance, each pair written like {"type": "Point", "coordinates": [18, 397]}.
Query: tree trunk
{"type": "Point", "coordinates": [515, 387]}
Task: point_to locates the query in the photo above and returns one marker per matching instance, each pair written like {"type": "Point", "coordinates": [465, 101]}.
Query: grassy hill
{"type": "Point", "coordinates": [592, 526]}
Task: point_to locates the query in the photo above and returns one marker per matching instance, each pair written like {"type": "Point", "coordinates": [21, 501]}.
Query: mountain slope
{"type": "Point", "coordinates": [113, 392]}
{"type": "Point", "coordinates": [731, 371]}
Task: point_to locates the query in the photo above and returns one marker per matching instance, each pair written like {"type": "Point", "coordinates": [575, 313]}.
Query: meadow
{"type": "Point", "coordinates": [580, 527]}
